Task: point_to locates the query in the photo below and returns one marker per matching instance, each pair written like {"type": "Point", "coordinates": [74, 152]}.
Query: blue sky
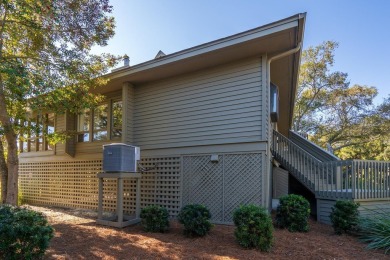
{"type": "Point", "coordinates": [362, 29]}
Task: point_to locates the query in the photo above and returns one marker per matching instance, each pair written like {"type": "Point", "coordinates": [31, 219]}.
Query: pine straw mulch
{"type": "Point", "coordinates": [77, 236]}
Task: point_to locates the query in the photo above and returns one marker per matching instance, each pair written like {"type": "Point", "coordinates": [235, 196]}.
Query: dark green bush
{"type": "Point", "coordinates": [253, 227]}
{"type": "Point", "coordinates": [155, 219]}
{"type": "Point", "coordinates": [345, 216]}
{"type": "Point", "coordinates": [293, 213]}
{"type": "Point", "coordinates": [24, 233]}
{"type": "Point", "coordinates": [196, 220]}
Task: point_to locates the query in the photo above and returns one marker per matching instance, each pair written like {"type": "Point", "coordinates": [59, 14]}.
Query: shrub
{"type": "Point", "coordinates": [293, 213]}
{"type": "Point", "coordinates": [155, 219]}
{"type": "Point", "coordinates": [376, 230]}
{"type": "Point", "coordinates": [344, 216]}
{"type": "Point", "coordinates": [196, 220]}
{"type": "Point", "coordinates": [253, 227]}
{"type": "Point", "coordinates": [20, 198]}
{"type": "Point", "coordinates": [24, 233]}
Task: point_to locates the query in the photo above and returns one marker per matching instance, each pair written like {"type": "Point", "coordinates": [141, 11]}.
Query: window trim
{"type": "Point", "coordinates": [37, 135]}
{"type": "Point", "coordinates": [109, 102]}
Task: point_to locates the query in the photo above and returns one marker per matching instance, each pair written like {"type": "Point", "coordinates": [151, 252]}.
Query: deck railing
{"type": "Point", "coordinates": [350, 179]}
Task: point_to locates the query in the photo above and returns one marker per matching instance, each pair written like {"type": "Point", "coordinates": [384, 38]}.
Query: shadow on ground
{"type": "Point", "coordinates": [90, 241]}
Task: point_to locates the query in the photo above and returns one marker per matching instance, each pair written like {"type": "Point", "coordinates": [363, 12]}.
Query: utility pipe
{"type": "Point", "coordinates": [271, 59]}
{"type": "Point", "coordinates": [276, 57]}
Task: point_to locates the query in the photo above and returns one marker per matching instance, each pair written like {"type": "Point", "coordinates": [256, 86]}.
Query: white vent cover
{"type": "Point", "coordinates": [120, 158]}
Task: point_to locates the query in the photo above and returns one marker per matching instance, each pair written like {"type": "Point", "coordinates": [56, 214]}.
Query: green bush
{"type": "Point", "coordinates": [253, 227]}
{"type": "Point", "coordinates": [344, 216]}
{"type": "Point", "coordinates": [196, 220]}
{"type": "Point", "coordinates": [293, 213]}
{"type": "Point", "coordinates": [155, 219]}
{"type": "Point", "coordinates": [376, 230]}
{"type": "Point", "coordinates": [24, 233]}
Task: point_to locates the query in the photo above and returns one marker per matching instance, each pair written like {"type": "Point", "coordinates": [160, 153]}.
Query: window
{"type": "Point", "coordinates": [104, 122]}
{"type": "Point", "coordinates": [34, 138]}
{"type": "Point", "coordinates": [116, 128]}
{"type": "Point", "coordinates": [40, 132]}
{"type": "Point", "coordinates": [50, 130]}
{"type": "Point", "coordinates": [83, 123]}
{"type": "Point", "coordinates": [100, 123]}
{"type": "Point", "coordinates": [32, 141]}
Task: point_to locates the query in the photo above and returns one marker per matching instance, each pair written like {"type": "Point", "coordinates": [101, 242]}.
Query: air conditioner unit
{"type": "Point", "coordinates": [120, 158]}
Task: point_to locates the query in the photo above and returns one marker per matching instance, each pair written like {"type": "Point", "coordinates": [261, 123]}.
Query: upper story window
{"type": "Point", "coordinates": [83, 126]}
{"type": "Point", "coordinates": [34, 139]}
{"type": "Point", "coordinates": [116, 129]}
{"type": "Point", "coordinates": [100, 123]}
{"type": "Point", "coordinates": [104, 122]}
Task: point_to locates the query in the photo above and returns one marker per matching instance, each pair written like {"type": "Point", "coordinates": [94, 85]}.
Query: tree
{"type": "Point", "coordinates": [336, 114]}
{"type": "Point", "coordinates": [316, 82]}
{"type": "Point", "coordinates": [374, 142]}
{"type": "Point", "coordinates": [45, 62]}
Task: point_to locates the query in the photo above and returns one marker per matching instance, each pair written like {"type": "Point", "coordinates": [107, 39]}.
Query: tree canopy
{"type": "Point", "coordinates": [334, 113]}
{"type": "Point", "coordinates": [46, 63]}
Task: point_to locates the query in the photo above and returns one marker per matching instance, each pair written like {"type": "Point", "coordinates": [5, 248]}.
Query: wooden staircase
{"type": "Point", "coordinates": [327, 176]}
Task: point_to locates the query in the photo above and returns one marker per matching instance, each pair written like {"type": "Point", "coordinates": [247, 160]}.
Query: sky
{"type": "Point", "coordinates": [362, 29]}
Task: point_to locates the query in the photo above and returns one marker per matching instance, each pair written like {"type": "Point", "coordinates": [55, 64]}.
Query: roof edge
{"type": "Point", "coordinates": [219, 43]}
{"type": "Point", "coordinates": [297, 61]}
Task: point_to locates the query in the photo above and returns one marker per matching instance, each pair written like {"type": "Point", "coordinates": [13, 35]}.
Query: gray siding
{"type": "Point", "coordinates": [70, 144]}
{"type": "Point", "coordinates": [91, 147]}
{"type": "Point", "coordinates": [220, 105]}
{"type": "Point", "coordinates": [60, 127]}
{"type": "Point", "coordinates": [368, 208]}
{"type": "Point", "coordinates": [280, 182]}
{"type": "Point", "coordinates": [373, 208]}
{"type": "Point", "coordinates": [324, 208]}
{"type": "Point", "coordinates": [128, 117]}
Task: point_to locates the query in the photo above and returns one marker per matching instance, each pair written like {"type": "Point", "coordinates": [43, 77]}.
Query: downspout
{"type": "Point", "coordinates": [276, 57]}
{"type": "Point", "coordinates": [271, 59]}
{"type": "Point", "coordinates": [284, 54]}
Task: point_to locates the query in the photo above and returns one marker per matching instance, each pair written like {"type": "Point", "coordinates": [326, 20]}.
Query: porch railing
{"type": "Point", "coordinates": [350, 179]}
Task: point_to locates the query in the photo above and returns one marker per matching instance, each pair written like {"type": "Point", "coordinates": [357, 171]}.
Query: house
{"type": "Point", "coordinates": [210, 126]}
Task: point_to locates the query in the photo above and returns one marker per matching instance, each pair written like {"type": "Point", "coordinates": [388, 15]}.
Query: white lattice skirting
{"type": "Point", "coordinates": [74, 184]}
{"type": "Point", "coordinates": [222, 186]}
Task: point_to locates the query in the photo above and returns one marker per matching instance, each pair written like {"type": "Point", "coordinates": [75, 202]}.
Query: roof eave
{"type": "Point", "coordinates": [258, 32]}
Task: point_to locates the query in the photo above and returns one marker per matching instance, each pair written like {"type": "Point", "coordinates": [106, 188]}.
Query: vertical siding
{"type": "Point", "coordinates": [70, 144]}
{"type": "Point", "coordinates": [280, 182]}
{"type": "Point", "coordinates": [60, 127]}
{"type": "Point", "coordinates": [128, 111]}
{"type": "Point", "coordinates": [219, 105]}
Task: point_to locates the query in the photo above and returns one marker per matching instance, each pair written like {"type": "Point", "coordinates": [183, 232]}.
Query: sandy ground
{"type": "Point", "coordinates": [77, 236]}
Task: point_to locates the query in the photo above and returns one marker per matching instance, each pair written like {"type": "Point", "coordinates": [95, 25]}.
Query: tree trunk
{"type": "Point", "coordinates": [4, 174]}
{"type": "Point", "coordinates": [12, 157]}
{"type": "Point", "coordinates": [13, 169]}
